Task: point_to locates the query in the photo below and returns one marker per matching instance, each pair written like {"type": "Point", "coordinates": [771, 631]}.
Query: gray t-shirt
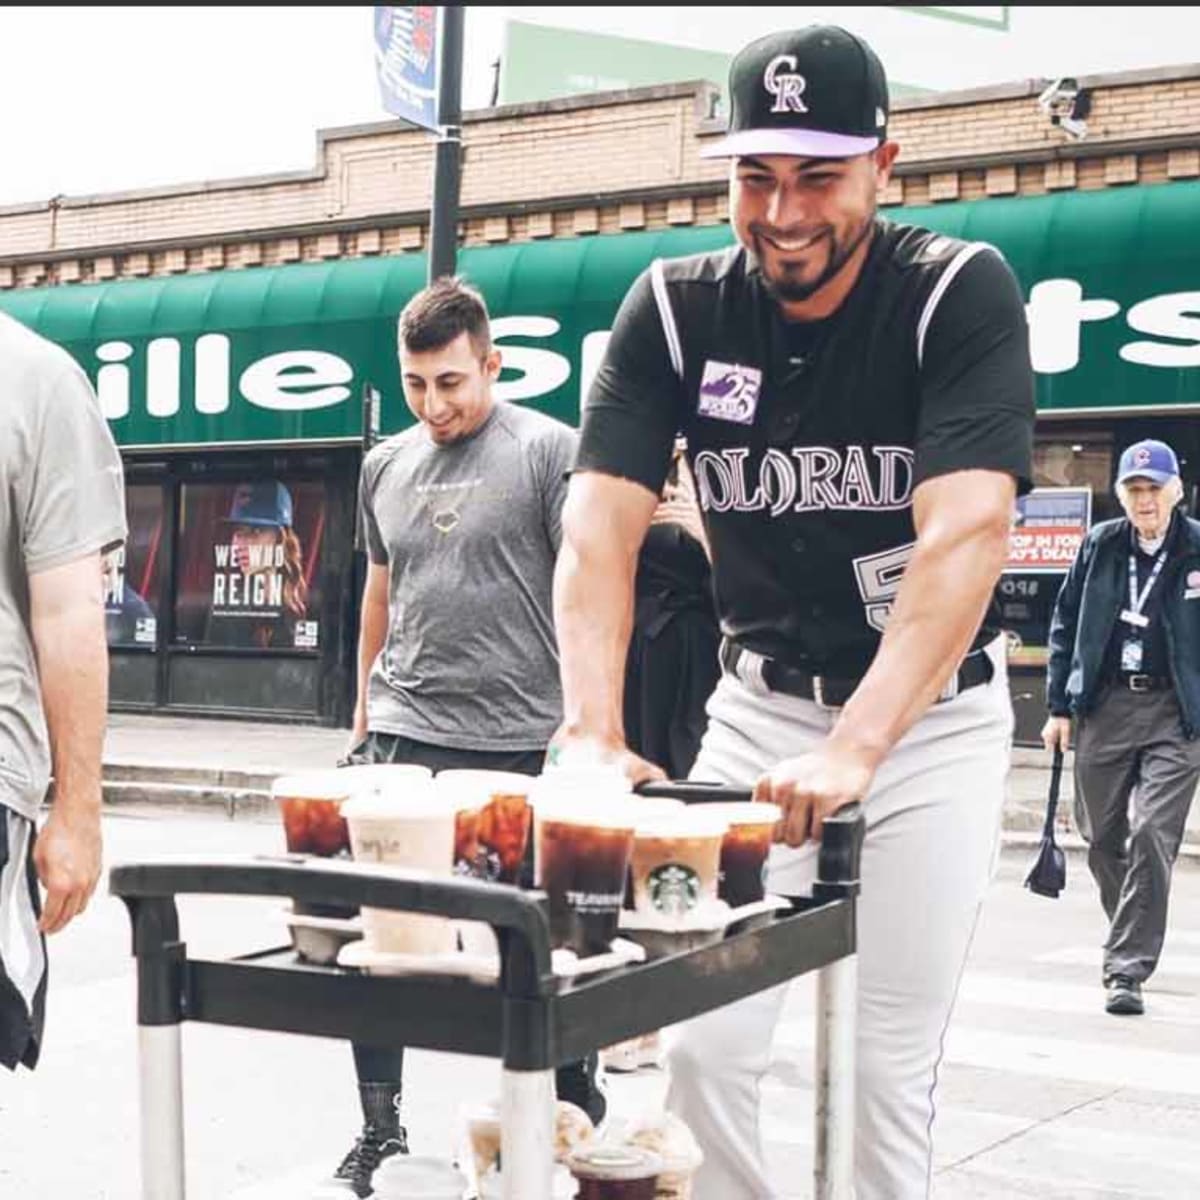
{"type": "Point", "coordinates": [469, 533]}
{"type": "Point", "coordinates": [64, 500]}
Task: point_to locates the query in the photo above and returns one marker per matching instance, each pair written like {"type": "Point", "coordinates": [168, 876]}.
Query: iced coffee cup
{"type": "Point", "coordinates": [405, 826]}
{"type": "Point", "coordinates": [744, 849]}
{"type": "Point", "coordinates": [607, 1172]}
{"type": "Point", "coordinates": [310, 803]}
{"type": "Point", "coordinates": [582, 848]}
{"type": "Point", "coordinates": [676, 859]}
{"type": "Point", "coordinates": [493, 821]}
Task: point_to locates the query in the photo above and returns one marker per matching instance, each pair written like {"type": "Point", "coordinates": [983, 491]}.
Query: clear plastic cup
{"type": "Point", "coordinates": [745, 848]}
{"type": "Point", "coordinates": [404, 825]}
{"type": "Point", "coordinates": [582, 847]}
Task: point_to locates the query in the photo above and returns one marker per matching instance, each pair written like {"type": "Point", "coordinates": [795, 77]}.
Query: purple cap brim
{"type": "Point", "coordinates": [1158, 477]}
{"type": "Point", "coordinates": [803, 143]}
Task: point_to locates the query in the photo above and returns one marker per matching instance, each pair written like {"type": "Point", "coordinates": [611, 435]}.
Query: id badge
{"type": "Point", "coordinates": [1131, 655]}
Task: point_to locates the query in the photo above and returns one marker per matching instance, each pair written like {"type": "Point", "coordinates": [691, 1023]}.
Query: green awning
{"type": "Point", "coordinates": [282, 354]}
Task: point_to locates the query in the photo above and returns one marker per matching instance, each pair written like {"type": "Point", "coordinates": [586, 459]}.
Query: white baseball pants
{"type": "Point", "coordinates": [933, 823]}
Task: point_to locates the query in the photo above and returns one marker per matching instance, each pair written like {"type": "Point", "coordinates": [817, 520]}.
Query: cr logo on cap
{"type": "Point", "coordinates": [787, 88]}
{"type": "Point", "coordinates": [1141, 456]}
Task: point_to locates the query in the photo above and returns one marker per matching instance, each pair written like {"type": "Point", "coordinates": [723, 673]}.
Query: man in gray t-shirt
{"type": "Point", "coordinates": [63, 507]}
{"type": "Point", "coordinates": [457, 663]}
{"type": "Point", "coordinates": [467, 531]}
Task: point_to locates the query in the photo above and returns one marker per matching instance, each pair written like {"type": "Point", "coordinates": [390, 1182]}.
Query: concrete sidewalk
{"type": "Point", "coordinates": [181, 762]}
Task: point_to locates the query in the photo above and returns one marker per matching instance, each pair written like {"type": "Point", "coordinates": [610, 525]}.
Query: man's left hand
{"type": "Point", "coordinates": [67, 856]}
{"type": "Point", "coordinates": [810, 788]}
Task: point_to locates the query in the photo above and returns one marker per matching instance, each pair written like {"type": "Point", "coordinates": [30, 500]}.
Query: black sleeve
{"type": "Point", "coordinates": [976, 381]}
{"type": "Point", "coordinates": [633, 406]}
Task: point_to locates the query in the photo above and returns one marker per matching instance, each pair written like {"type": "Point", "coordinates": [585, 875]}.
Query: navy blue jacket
{"type": "Point", "coordinates": [1090, 601]}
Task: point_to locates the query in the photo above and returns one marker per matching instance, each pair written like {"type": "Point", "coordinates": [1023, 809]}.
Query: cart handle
{"type": "Point", "coordinates": [841, 839]}
{"type": "Point", "coordinates": [346, 883]}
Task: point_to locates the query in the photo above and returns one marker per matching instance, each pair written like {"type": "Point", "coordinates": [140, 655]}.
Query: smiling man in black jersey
{"type": "Point", "coordinates": [857, 401]}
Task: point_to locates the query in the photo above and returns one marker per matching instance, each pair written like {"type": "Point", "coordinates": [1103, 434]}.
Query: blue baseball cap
{"type": "Point", "coordinates": [1148, 459]}
{"type": "Point", "coordinates": [267, 503]}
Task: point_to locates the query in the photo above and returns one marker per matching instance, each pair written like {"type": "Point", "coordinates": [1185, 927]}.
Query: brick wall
{"type": "Point", "coordinates": [597, 164]}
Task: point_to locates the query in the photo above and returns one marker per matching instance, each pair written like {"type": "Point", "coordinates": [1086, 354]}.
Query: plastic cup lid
{"type": "Point", "coordinates": [326, 784]}
{"type": "Point", "coordinates": [601, 1161]}
{"type": "Point", "coordinates": [384, 772]}
{"type": "Point", "coordinates": [469, 789]}
{"type": "Point", "coordinates": [746, 812]}
{"type": "Point", "coordinates": [616, 812]}
{"type": "Point", "coordinates": [586, 775]}
{"type": "Point", "coordinates": [695, 823]}
{"type": "Point", "coordinates": [409, 1177]}
{"type": "Point", "coordinates": [414, 801]}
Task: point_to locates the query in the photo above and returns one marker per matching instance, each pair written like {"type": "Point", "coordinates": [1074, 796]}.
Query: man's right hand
{"type": "Point", "coordinates": [575, 749]}
{"type": "Point", "coordinates": [1056, 733]}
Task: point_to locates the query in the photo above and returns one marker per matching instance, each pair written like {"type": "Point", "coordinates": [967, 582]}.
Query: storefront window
{"type": "Point", "coordinates": [249, 564]}
{"type": "Point", "coordinates": [1072, 477]}
{"type": "Point", "coordinates": [1061, 459]}
{"type": "Point", "coordinates": [132, 574]}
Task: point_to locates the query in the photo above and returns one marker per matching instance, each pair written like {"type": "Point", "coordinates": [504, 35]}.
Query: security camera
{"type": "Point", "coordinates": [1067, 105]}
{"type": "Point", "coordinates": [1059, 97]}
{"type": "Point", "coordinates": [1072, 127]}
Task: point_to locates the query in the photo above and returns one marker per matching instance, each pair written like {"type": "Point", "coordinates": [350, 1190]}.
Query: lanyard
{"type": "Point", "coordinates": [1136, 602]}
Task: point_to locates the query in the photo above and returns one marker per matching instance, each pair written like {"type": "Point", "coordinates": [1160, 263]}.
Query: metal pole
{"type": "Point", "coordinates": [527, 1134]}
{"type": "Point", "coordinates": [161, 1112]}
{"type": "Point", "coordinates": [837, 1000]}
{"type": "Point", "coordinates": [447, 169]}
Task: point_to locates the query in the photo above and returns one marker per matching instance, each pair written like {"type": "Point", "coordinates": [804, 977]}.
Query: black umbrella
{"type": "Point", "coordinates": [1048, 875]}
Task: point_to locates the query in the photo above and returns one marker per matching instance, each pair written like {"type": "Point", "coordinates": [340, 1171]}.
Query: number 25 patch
{"type": "Point", "coordinates": [729, 392]}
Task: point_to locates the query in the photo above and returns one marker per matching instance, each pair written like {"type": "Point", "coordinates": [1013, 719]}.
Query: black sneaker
{"type": "Point", "coordinates": [366, 1154]}
{"type": "Point", "coordinates": [1124, 997]}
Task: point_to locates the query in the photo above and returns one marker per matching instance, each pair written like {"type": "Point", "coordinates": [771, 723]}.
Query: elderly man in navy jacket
{"type": "Point", "coordinates": [1125, 661]}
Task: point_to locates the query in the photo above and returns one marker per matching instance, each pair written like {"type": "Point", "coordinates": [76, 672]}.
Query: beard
{"type": "Point", "coordinates": [789, 289]}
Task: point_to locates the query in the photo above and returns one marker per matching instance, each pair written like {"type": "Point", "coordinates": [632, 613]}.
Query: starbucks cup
{"type": "Point", "coordinates": [744, 849]}
{"type": "Point", "coordinates": [676, 860]}
{"type": "Point", "coordinates": [404, 826]}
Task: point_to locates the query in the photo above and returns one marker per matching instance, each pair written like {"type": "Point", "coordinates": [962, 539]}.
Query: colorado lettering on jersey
{"type": "Point", "coordinates": [806, 479]}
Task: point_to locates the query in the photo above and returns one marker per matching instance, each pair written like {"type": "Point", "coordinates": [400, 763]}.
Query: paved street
{"type": "Point", "coordinates": [1044, 1095]}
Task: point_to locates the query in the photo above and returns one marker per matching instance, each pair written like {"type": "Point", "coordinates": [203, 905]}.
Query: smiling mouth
{"type": "Point", "coordinates": [791, 245]}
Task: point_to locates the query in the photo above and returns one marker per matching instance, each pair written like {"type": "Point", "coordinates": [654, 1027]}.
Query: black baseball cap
{"type": "Point", "coordinates": [817, 92]}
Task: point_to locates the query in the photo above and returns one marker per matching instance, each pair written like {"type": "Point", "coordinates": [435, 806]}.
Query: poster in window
{"type": "Point", "coordinates": [1048, 529]}
{"type": "Point", "coordinates": [250, 564]}
{"type": "Point", "coordinates": [132, 574]}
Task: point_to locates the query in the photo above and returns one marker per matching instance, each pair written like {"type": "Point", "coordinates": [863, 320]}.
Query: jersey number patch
{"type": "Point", "coordinates": [878, 576]}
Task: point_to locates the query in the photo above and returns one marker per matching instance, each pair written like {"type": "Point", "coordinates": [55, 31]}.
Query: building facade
{"type": "Point", "coordinates": [241, 336]}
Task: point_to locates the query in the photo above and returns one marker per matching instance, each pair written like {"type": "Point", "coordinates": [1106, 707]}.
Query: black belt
{"type": "Point", "coordinates": [1143, 683]}
{"type": "Point", "coordinates": [831, 692]}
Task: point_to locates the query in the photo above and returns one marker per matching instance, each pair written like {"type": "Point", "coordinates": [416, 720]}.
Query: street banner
{"type": "Point", "coordinates": [406, 41]}
{"type": "Point", "coordinates": [1048, 529]}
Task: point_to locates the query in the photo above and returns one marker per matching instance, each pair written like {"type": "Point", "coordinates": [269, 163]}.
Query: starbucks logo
{"type": "Point", "coordinates": [674, 889]}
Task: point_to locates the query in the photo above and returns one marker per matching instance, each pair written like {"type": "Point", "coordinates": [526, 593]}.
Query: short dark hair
{"type": "Point", "coordinates": [438, 314]}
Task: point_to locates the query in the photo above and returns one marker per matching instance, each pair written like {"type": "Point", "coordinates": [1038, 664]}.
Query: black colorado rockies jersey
{"type": "Point", "coordinates": [808, 438]}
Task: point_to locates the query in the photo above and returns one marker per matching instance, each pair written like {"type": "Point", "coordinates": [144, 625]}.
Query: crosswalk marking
{"type": "Point", "coordinates": [994, 1129]}
{"type": "Point", "coordinates": [1090, 956]}
{"type": "Point", "coordinates": [1014, 992]}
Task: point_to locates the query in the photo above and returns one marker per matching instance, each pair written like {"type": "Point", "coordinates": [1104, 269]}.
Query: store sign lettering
{"type": "Point", "coordinates": [305, 380]}
{"type": "Point", "coordinates": [1058, 311]}
{"type": "Point", "coordinates": [295, 381]}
